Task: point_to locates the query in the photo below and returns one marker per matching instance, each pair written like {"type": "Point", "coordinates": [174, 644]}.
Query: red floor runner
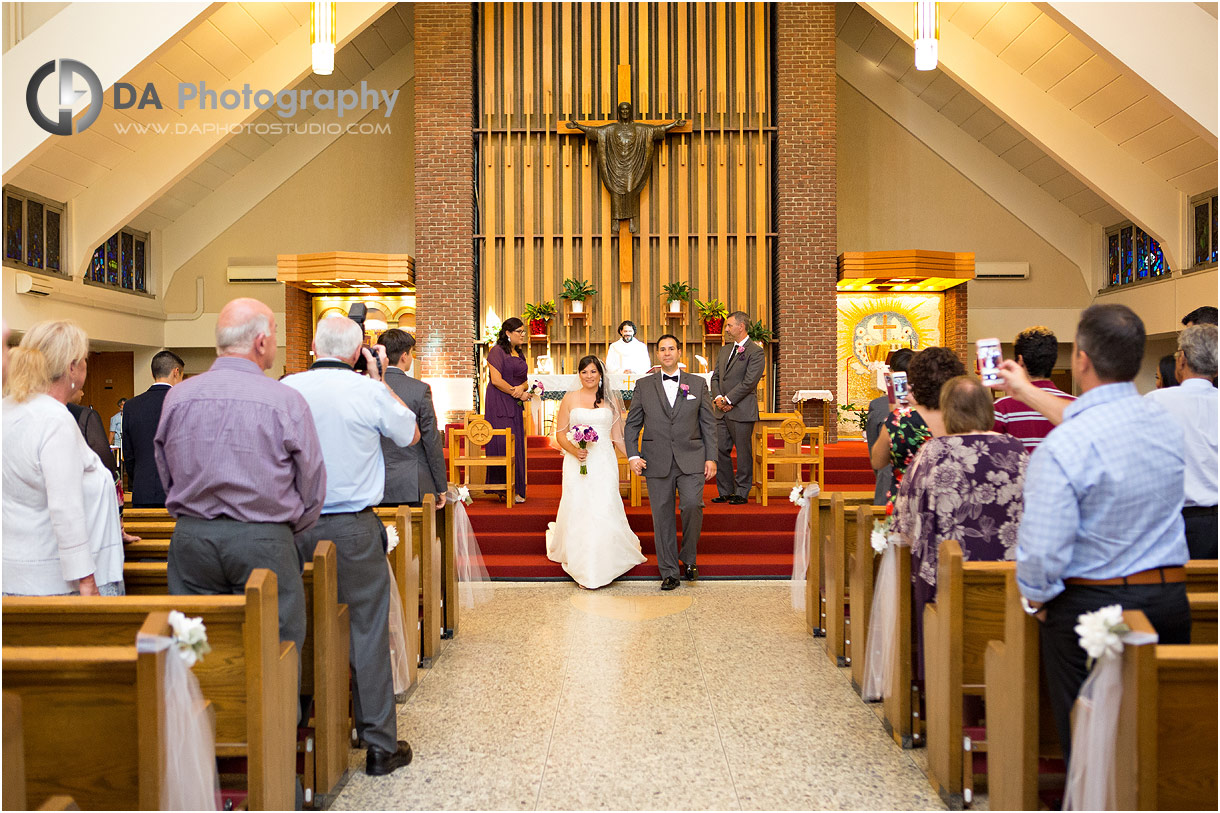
{"type": "Point", "coordinates": [737, 540]}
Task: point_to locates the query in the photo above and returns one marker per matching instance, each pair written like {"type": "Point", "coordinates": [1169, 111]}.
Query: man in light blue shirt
{"type": "Point", "coordinates": [352, 413]}
{"type": "Point", "coordinates": [1192, 405]}
{"type": "Point", "coordinates": [1103, 507]}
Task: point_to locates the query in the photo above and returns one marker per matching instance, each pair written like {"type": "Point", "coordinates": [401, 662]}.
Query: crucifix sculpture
{"type": "Point", "coordinates": [624, 159]}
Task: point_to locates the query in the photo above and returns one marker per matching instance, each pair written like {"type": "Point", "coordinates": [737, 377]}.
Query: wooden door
{"type": "Point", "coordinates": [111, 377]}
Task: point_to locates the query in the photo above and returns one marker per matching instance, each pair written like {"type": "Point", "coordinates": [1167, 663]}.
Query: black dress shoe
{"type": "Point", "coordinates": [736, 500]}
{"type": "Point", "coordinates": [381, 762]}
{"type": "Point", "coordinates": [691, 573]}
{"type": "Point", "coordinates": [721, 499]}
{"type": "Point", "coordinates": [669, 583]}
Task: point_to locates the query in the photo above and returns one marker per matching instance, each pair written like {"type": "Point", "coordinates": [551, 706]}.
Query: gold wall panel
{"type": "Point", "coordinates": [705, 213]}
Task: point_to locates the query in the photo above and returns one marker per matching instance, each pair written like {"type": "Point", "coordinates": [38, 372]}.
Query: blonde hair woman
{"type": "Point", "coordinates": [61, 523]}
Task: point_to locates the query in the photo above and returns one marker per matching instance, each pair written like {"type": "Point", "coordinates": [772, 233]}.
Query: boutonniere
{"type": "Point", "coordinates": [741, 348]}
{"type": "Point", "coordinates": [685, 389]}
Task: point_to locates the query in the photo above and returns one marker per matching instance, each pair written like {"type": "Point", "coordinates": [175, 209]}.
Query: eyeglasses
{"type": "Point", "coordinates": [518, 330]}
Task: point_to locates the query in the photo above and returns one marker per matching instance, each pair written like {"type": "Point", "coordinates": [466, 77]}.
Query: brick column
{"type": "Point", "coordinates": [444, 190]}
{"type": "Point", "coordinates": [805, 267]}
{"type": "Point", "coordinates": [955, 324]}
{"type": "Point", "coordinates": [298, 329]}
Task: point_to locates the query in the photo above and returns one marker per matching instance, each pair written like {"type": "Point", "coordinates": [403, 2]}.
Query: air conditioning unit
{"type": "Point", "coordinates": [32, 285]}
{"type": "Point", "coordinates": [251, 273]}
{"type": "Point", "coordinates": [1014, 270]}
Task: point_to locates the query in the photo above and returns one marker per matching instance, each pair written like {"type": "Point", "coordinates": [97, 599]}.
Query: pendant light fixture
{"type": "Point", "coordinates": [927, 33]}
{"type": "Point", "coordinates": [322, 37]}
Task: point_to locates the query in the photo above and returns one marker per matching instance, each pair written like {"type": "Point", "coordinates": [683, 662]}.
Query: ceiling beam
{"type": "Point", "coordinates": [120, 37]}
{"type": "Point", "coordinates": [1168, 48]}
{"type": "Point", "coordinates": [142, 177]}
{"type": "Point", "coordinates": [1059, 226]}
{"type": "Point", "coordinates": [1122, 181]}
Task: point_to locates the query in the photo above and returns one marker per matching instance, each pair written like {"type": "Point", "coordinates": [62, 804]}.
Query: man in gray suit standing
{"type": "Point", "coordinates": [738, 370]}
{"type": "Point", "coordinates": [411, 471]}
{"type": "Point", "coordinates": [678, 453]}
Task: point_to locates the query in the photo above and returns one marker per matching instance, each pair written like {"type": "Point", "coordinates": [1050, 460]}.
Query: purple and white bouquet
{"type": "Point", "coordinates": [536, 388]}
{"type": "Point", "coordinates": [582, 435]}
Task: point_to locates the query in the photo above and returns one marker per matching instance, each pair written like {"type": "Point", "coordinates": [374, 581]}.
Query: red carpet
{"type": "Point", "coordinates": [740, 541]}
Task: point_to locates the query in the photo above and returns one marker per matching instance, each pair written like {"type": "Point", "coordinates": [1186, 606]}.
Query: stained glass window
{"type": "Point", "coordinates": [1112, 257]}
{"type": "Point", "coordinates": [34, 234]}
{"type": "Point", "coordinates": [141, 283]}
{"type": "Point", "coordinates": [12, 228]}
{"type": "Point", "coordinates": [52, 240]}
{"type": "Point", "coordinates": [1126, 239]}
{"type": "Point", "coordinates": [1202, 247]}
{"type": "Point", "coordinates": [112, 260]}
{"type": "Point", "coordinates": [127, 260]}
{"type": "Point", "coordinates": [97, 266]}
{"type": "Point", "coordinates": [1142, 254]}
{"type": "Point", "coordinates": [1156, 259]}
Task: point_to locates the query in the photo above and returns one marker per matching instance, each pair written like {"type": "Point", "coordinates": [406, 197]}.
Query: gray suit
{"type": "Point", "coordinates": [878, 411]}
{"type": "Point", "coordinates": [677, 442]}
{"type": "Point", "coordinates": [413, 471]}
{"type": "Point", "coordinates": [737, 379]}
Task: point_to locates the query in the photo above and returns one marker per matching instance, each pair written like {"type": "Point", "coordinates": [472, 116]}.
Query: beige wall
{"type": "Point", "coordinates": [357, 195]}
{"type": "Point", "coordinates": [895, 193]}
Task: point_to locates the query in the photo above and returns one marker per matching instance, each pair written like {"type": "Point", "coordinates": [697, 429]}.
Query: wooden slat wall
{"type": "Point", "coordinates": [706, 211]}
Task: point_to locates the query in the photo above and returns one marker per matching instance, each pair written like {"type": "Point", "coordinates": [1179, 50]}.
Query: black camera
{"type": "Point", "coordinates": [357, 313]}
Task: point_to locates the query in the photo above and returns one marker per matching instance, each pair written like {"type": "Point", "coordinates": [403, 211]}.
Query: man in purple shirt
{"type": "Point", "coordinates": [242, 468]}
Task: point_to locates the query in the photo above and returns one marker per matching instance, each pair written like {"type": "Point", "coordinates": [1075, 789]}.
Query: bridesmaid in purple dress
{"type": "Point", "coordinates": [507, 372]}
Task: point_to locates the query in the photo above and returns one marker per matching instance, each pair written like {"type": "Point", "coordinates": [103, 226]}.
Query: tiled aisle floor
{"type": "Point", "coordinates": [710, 697]}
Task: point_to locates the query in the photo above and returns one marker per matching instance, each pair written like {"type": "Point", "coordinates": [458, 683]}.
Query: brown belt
{"type": "Point", "coordinates": [1156, 575]}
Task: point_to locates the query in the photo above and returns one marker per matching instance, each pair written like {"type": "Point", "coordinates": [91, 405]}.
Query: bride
{"type": "Point", "coordinates": [590, 536]}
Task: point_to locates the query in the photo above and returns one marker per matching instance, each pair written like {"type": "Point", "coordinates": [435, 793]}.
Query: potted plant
{"type": "Point", "coordinates": [676, 293]}
{"type": "Point", "coordinates": [538, 316]}
{"type": "Point", "coordinates": [759, 333]}
{"type": "Point", "coordinates": [853, 415]}
{"type": "Point", "coordinates": [576, 292]}
{"type": "Point", "coordinates": [713, 313]}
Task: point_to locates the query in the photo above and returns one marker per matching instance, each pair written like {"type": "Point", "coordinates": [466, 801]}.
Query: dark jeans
{"type": "Point", "coordinates": [1064, 660]}
{"type": "Point", "coordinates": [1200, 532]}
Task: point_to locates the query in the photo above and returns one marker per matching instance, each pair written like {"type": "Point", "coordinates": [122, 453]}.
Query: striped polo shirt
{"type": "Point", "coordinates": [1016, 418]}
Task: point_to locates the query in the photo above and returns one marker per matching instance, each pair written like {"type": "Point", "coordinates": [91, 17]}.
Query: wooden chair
{"type": "Point", "coordinates": [819, 519]}
{"type": "Point", "coordinates": [1165, 748]}
{"type": "Point", "coordinates": [467, 450]}
{"type": "Point", "coordinates": [250, 676]}
{"type": "Point", "coordinates": [802, 447]}
{"type": "Point", "coordinates": [862, 573]}
{"type": "Point", "coordinates": [85, 721]}
{"type": "Point", "coordinates": [968, 614]}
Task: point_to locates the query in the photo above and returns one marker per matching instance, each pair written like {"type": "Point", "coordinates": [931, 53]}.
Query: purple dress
{"type": "Point", "coordinates": [504, 411]}
{"type": "Point", "coordinates": [962, 487]}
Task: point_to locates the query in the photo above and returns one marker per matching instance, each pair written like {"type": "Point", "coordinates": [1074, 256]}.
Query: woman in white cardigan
{"type": "Point", "coordinates": [61, 524]}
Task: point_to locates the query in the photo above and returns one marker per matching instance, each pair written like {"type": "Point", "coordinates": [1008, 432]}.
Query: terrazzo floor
{"type": "Point", "coordinates": [711, 697]}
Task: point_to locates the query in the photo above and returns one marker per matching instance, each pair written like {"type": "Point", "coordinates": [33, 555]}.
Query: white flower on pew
{"type": "Point", "coordinates": [190, 637]}
{"type": "Point", "coordinates": [463, 494]}
{"type": "Point", "coordinates": [802, 497]}
{"type": "Point", "coordinates": [1100, 632]}
{"type": "Point", "coordinates": [880, 536]}
{"type": "Point", "coordinates": [391, 535]}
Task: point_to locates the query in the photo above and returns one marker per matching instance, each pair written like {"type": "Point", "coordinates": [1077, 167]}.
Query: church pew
{"type": "Point", "coordinates": [146, 515]}
{"type": "Point", "coordinates": [862, 573]}
{"type": "Point", "coordinates": [839, 545]}
{"type": "Point", "coordinates": [150, 530]}
{"type": "Point", "coordinates": [819, 521]}
{"type": "Point", "coordinates": [324, 660]}
{"type": "Point", "coordinates": [968, 614]}
{"type": "Point", "coordinates": [404, 561]}
{"type": "Point", "coordinates": [1165, 747]}
{"type": "Point", "coordinates": [84, 721]}
{"type": "Point", "coordinates": [1021, 733]}
{"type": "Point", "coordinates": [250, 676]}
{"type": "Point", "coordinates": [420, 527]}
{"type": "Point", "coordinates": [1201, 575]}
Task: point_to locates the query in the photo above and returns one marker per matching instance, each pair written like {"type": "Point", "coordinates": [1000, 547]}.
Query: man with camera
{"type": "Point", "coordinates": [352, 413]}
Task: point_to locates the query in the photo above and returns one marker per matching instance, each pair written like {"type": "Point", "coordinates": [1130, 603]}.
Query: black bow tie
{"type": "Point", "coordinates": [672, 378]}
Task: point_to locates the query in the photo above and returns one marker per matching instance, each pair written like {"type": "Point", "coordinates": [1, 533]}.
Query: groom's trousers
{"type": "Point", "coordinates": [664, 524]}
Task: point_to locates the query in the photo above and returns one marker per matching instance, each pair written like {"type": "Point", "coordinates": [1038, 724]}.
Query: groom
{"type": "Point", "coordinates": [679, 452]}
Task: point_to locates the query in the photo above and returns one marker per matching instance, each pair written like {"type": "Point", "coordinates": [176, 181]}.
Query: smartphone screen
{"type": "Point", "coordinates": [900, 388]}
{"type": "Point", "coordinates": [889, 388]}
{"type": "Point", "coordinates": [989, 357]}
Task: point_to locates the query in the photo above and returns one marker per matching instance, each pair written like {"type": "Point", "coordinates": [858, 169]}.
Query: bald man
{"type": "Point", "coordinates": [242, 468]}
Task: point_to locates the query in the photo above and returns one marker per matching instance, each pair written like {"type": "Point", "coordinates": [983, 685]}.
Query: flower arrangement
{"type": "Point", "coordinates": [190, 637]}
{"type": "Point", "coordinates": [538, 315]}
{"type": "Point", "coordinates": [583, 435]}
{"type": "Point", "coordinates": [463, 495]}
{"type": "Point", "coordinates": [853, 415]}
{"type": "Point", "coordinates": [391, 536]}
{"type": "Point", "coordinates": [880, 536]}
{"type": "Point", "coordinates": [490, 334]}
{"type": "Point", "coordinates": [713, 312]}
{"type": "Point", "coordinates": [801, 497]}
{"type": "Point", "coordinates": [1100, 632]}
{"type": "Point", "coordinates": [536, 388]}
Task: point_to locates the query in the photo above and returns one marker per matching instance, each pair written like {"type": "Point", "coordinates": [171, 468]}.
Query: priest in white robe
{"type": "Point", "coordinates": [628, 354]}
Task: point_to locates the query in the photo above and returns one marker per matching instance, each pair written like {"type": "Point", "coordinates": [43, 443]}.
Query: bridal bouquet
{"type": "Point", "coordinates": [582, 435]}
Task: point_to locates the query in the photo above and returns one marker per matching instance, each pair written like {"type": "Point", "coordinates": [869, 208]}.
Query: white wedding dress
{"type": "Point", "coordinates": [590, 536]}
